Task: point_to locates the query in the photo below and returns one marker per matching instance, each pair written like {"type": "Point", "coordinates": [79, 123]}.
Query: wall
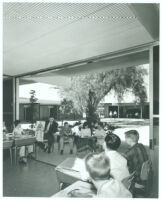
{"type": "Point", "coordinates": [8, 99]}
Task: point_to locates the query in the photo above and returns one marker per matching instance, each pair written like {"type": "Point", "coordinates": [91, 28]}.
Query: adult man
{"type": "Point", "coordinates": [119, 168]}
{"type": "Point", "coordinates": [50, 129]}
{"type": "Point", "coordinates": [66, 134]}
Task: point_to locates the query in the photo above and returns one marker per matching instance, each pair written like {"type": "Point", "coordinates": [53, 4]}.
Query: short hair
{"type": "Point", "coordinates": [16, 122]}
{"type": "Point", "coordinates": [85, 124]}
{"type": "Point", "coordinates": [100, 124]}
{"type": "Point", "coordinates": [65, 123]}
{"type": "Point", "coordinates": [112, 141]}
{"type": "Point", "coordinates": [98, 166]}
{"type": "Point", "coordinates": [133, 134]}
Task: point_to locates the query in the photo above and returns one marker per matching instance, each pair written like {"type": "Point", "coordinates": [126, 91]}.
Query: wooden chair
{"type": "Point", "coordinates": [143, 189]}
{"type": "Point", "coordinates": [129, 182]}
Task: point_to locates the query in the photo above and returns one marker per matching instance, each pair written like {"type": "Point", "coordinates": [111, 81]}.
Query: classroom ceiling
{"type": "Point", "coordinates": [39, 36]}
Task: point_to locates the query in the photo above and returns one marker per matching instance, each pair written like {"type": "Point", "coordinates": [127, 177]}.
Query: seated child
{"type": "Point", "coordinates": [100, 134]}
{"type": "Point", "coordinates": [98, 167]}
{"type": "Point", "coordinates": [119, 169]}
{"type": "Point", "coordinates": [136, 155]}
{"type": "Point", "coordinates": [18, 132]}
{"type": "Point", "coordinates": [66, 134]}
{"type": "Point", "coordinates": [85, 131]}
{"type": "Point", "coordinates": [39, 134]}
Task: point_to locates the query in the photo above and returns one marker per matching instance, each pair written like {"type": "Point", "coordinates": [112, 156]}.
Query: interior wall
{"type": "Point", "coordinates": [8, 99]}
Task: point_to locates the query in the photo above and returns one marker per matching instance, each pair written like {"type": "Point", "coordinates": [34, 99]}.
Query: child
{"type": "Point", "coordinates": [18, 132]}
{"type": "Point", "coordinates": [39, 133]}
{"type": "Point", "coordinates": [85, 131]}
{"type": "Point", "coordinates": [98, 167]}
{"type": "Point", "coordinates": [119, 169]}
{"type": "Point", "coordinates": [136, 155]}
{"type": "Point", "coordinates": [100, 134]}
{"type": "Point", "coordinates": [66, 134]}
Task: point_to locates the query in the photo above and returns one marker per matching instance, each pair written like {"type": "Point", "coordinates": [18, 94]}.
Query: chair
{"type": "Point", "coordinates": [128, 182]}
{"type": "Point", "coordinates": [145, 176]}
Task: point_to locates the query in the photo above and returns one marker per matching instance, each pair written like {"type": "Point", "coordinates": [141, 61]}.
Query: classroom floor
{"type": "Point", "coordinates": [35, 179]}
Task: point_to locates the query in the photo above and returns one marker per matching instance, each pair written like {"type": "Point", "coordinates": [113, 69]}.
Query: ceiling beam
{"type": "Point", "coordinates": [111, 55]}
{"type": "Point", "coordinates": [148, 15]}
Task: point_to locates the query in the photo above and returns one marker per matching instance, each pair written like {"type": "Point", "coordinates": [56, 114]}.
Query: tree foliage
{"type": "Point", "coordinates": [33, 100]}
{"type": "Point", "coordinates": [86, 91]}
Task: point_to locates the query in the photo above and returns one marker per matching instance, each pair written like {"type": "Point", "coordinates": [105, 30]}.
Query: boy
{"type": "Point", "coordinates": [136, 155]}
{"type": "Point", "coordinates": [119, 169]}
{"type": "Point", "coordinates": [66, 133]}
{"type": "Point", "coordinates": [100, 134]}
{"type": "Point", "coordinates": [98, 167]}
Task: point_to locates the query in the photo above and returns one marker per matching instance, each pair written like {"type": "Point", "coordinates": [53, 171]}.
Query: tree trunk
{"type": "Point", "coordinates": [91, 111]}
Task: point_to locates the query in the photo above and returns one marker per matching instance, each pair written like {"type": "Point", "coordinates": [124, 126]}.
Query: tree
{"type": "Point", "coordinates": [33, 100]}
{"type": "Point", "coordinates": [66, 109]}
{"type": "Point", "coordinates": [86, 91]}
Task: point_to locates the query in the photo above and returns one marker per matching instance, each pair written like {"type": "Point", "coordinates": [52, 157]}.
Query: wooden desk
{"type": "Point", "coordinates": [86, 189]}
{"type": "Point", "coordinates": [65, 173]}
{"type": "Point", "coordinates": [24, 141]}
{"type": "Point", "coordinates": [7, 144]}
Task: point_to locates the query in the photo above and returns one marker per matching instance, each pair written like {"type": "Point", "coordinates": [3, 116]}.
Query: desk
{"type": "Point", "coordinates": [86, 189]}
{"type": "Point", "coordinates": [24, 141]}
{"type": "Point", "coordinates": [65, 173]}
{"type": "Point", "coordinates": [7, 144]}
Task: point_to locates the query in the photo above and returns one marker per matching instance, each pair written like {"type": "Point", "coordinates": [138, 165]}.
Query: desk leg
{"type": "Point", "coordinates": [35, 150]}
{"type": "Point", "coordinates": [11, 155]}
{"type": "Point", "coordinates": [15, 155]}
{"type": "Point", "coordinates": [59, 182]}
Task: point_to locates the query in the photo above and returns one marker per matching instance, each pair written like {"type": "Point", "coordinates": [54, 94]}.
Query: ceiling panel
{"type": "Point", "coordinates": [43, 35]}
{"type": "Point", "coordinates": [63, 77]}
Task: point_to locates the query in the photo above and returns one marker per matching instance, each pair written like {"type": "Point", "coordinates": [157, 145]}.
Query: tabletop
{"type": "Point", "coordinates": [77, 189]}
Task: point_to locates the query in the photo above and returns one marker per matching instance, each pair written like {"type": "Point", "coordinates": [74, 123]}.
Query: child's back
{"type": "Point", "coordinates": [113, 189]}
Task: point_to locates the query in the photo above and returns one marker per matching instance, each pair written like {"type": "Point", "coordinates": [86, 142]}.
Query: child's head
{"type": "Point", "coordinates": [17, 123]}
{"type": "Point", "coordinates": [66, 125]}
{"type": "Point", "coordinates": [40, 126]}
{"type": "Point", "coordinates": [112, 142]}
{"type": "Point", "coordinates": [100, 125]}
{"type": "Point", "coordinates": [131, 137]}
{"type": "Point", "coordinates": [98, 166]}
{"type": "Point", "coordinates": [85, 125]}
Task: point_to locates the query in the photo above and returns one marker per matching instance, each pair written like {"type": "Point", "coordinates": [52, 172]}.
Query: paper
{"type": "Point", "coordinates": [79, 165]}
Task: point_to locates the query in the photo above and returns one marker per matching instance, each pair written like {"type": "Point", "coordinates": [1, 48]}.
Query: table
{"type": "Point", "coordinates": [65, 173]}
{"type": "Point", "coordinates": [7, 144]}
{"type": "Point", "coordinates": [24, 141]}
{"type": "Point", "coordinates": [86, 189]}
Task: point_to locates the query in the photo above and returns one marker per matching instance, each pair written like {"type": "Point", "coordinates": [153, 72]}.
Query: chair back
{"type": "Point", "coordinates": [145, 170]}
{"type": "Point", "coordinates": [128, 182]}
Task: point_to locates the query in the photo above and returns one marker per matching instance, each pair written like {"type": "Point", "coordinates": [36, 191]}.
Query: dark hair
{"type": "Point", "coordinates": [98, 166]}
{"type": "Point", "coordinates": [65, 123]}
{"type": "Point", "coordinates": [133, 134]}
{"type": "Point", "coordinates": [100, 124]}
{"type": "Point", "coordinates": [16, 122]}
{"type": "Point", "coordinates": [85, 124]}
{"type": "Point", "coordinates": [112, 141]}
